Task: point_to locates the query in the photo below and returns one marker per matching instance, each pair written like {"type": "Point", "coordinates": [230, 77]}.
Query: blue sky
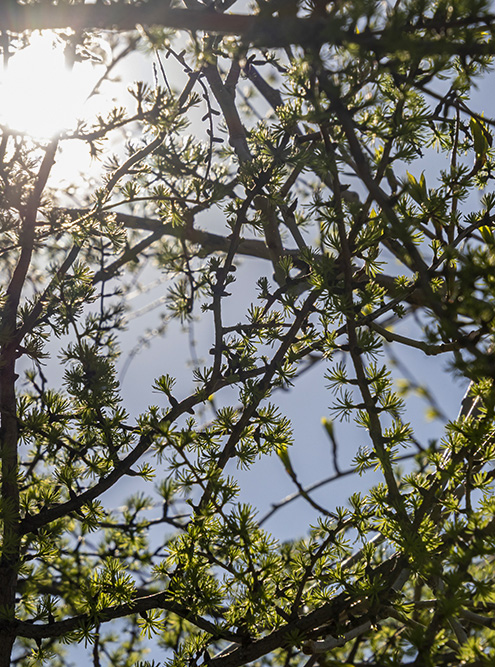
{"type": "Point", "coordinates": [266, 482]}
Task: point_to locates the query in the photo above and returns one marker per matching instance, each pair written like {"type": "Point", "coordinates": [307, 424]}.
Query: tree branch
{"type": "Point", "coordinates": [139, 605]}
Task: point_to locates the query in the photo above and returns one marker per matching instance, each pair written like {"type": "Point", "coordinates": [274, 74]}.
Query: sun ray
{"type": "Point", "coordinates": [39, 93]}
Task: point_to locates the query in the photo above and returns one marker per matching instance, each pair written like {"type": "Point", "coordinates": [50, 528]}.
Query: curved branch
{"type": "Point", "coordinates": [140, 605]}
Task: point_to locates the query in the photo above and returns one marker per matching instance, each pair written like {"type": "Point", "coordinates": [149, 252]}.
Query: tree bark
{"type": "Point", "coordinates": [117, 16]}
{"type": "Point", "coordinates": [10, 499]}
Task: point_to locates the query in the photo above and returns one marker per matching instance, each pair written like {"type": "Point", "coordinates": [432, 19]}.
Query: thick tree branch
{"type": "Point", "coordinates": [338, 611]}
{"type": "Point", "coordinates": [140, 605]}
{"type": "Point", "coordinates": [257, 29]}
{"type": "Point", "coordinates": [119, 16]}
{"type": "Point", "coordinates": [9, 428]}
{"type": "Point", "coordinates": [208, 241]}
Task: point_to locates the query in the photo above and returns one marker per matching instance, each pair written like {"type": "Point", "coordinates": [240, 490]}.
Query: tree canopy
{"type": "Point", "coordinates": [343, 146]}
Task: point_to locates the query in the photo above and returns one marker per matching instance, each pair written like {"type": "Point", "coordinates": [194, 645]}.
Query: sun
{"type": "Point", "coordinates": [39, 94]}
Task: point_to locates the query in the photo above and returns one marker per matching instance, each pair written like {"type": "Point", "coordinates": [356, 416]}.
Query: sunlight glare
{"type": "Point", "coordinates": [39, 94]}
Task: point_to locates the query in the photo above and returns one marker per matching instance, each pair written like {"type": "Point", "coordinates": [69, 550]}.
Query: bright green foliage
{"type": "Point", "coordinates": [341, 145]}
